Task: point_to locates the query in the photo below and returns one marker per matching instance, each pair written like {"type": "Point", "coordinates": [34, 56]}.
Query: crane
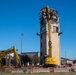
{"type": "Point", "coordinates": [49, 60]}
{"type": "Point", "coordinates": [4, 53]}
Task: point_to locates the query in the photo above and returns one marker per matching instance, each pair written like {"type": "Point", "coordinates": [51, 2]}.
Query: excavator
{"type": "Point", "coordinates": [49, 60]}
{"type": "Point", "coordinates": [5, 52]}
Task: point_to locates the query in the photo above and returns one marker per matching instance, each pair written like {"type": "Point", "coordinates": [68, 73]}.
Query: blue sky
{"type": "Point", "coordinates": [22, 16]}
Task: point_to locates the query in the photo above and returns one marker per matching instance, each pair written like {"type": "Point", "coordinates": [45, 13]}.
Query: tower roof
{"type": "Point", "coordinates": [44, 9]}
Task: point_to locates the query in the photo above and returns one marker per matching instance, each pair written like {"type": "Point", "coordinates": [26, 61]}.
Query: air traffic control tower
{"type": "Point", "coordinates": [54, 33]}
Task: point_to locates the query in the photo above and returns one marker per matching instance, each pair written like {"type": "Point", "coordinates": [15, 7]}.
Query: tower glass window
{"type": "Point", "coordinates": [41, 36]}
{"type": "Point", "coordinates": [55, 29]}
{"type": "Point", "coordinates": [41, 44]}
{"type": "Point", "coordinates": [43, 28]}
{"type": "Point", "coordinates": [41, 53]}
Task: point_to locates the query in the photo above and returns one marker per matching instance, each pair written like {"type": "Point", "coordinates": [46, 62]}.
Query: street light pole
{"type": "Point", "coordinates": [21, 41]}
{"type": "Point", "coordinates": [65, 54]}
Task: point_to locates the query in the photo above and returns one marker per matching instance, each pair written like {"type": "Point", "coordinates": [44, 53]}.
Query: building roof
{"type": "Point", "coordinates": [30, 54]}
{"type": "Point", "coordinates": [2, 50]}
{"type": "Point", "coordinates": [66, 59]}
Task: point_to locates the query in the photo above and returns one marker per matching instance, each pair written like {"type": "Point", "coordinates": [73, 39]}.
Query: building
{"type": "Point", "coordinates": [54, 33]}
{"type": "Point", "coordinates": [66, 61]}
{"type": "Point", "coordinates": [30, 54]}
{"type": "Point", "coordinates": [74, 62]}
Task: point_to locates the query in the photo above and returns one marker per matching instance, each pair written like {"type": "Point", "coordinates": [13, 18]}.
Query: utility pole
{"type": "Point", "coordinates": [65, 54]}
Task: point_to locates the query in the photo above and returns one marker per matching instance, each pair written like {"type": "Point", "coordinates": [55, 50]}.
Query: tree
{"type": "Point", "coordinates": [25, 59]}
{"type": "Point", "coordinates": [36, 60]}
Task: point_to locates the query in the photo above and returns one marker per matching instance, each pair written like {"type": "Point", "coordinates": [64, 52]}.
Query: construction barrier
{"type": "Point", "coordinates": [30, 70]}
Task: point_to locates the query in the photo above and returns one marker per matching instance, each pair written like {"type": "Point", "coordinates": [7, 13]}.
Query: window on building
{"type": "Point", "coordinates": [55, 29]}
{"type": "Point", "coordinates": [41, 22]}
{"type": "Point", "coordinates": [41, 36]}
{"type": "Point", "coordinates": [41, 44]}
{"type": "Point", "coordinates": [41, 61]}
{"type": "Point", "coordinates": [43, 28]}
{"type": "Point", "coordinates": [41, 53]}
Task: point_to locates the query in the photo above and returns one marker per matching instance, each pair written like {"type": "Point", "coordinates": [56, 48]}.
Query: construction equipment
{"type": "Point", "coordinates": [5, 52]}
{"type": "Point", "coordinates": [49, 60]}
